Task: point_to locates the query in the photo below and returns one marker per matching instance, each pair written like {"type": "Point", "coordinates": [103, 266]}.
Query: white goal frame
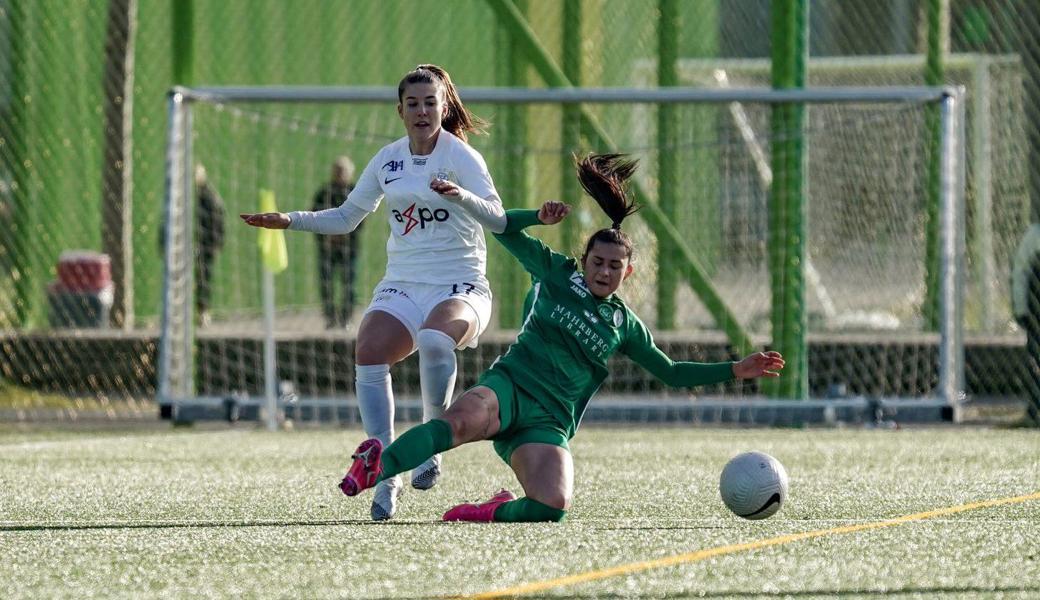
{"type": "Point", "coordinates": [176, 392]}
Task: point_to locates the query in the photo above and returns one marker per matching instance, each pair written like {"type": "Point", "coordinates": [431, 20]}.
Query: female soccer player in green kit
{"type": "Point", "coordinates": [531, 400]}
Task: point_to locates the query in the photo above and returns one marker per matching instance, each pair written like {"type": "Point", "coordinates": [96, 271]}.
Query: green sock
{"type": "Point", "coordinates": [415, 446]}
{"type": "Point", "coordinates": [525, 510]}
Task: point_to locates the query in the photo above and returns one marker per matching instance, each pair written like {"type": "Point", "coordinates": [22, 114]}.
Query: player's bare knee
{"type": "Point", "coordinates": [555, 499]}
{"type": "Point", "coordinates": [453, 318]}
{"type": "Point", "coordinates": [463, 429]}
{"type": "Point", "coordinates": [374, 353]}
{"type": "Point", "coordinates": [367, 353]}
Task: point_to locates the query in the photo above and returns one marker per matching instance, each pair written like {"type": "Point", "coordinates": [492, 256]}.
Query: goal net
{"type": "Point", "coordinates": [878, 179]}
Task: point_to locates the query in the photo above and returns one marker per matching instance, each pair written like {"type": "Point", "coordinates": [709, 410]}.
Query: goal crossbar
{"type": "Point", "coordinates": [316, 94]}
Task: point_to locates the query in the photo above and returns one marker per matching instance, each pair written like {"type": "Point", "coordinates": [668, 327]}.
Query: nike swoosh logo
{"type": "Point", "coordinates": [387, 180]}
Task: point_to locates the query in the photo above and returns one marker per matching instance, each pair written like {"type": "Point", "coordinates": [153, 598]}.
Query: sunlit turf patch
{"type": "Point", "coordinates": [708, 553]}
{"type": "Point", "coordinates": [245, 512]}
{"type": "Point", "coordinates": [13, 396]}
{"type": "Point", "coordinates": [22, 404]}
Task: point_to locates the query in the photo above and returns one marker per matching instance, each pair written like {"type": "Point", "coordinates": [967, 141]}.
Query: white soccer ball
{"type": "Point", "coordinates": [753, 485]}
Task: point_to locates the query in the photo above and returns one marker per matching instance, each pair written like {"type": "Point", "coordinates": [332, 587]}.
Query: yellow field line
{"type": "Point", "coordinates": [692, 557]}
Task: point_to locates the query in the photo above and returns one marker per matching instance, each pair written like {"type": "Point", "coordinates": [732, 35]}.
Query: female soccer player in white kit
{"type": "Point", "coordinates": [435, 295]}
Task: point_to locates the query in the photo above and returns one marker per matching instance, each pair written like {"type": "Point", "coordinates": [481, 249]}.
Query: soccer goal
{"type": "Point", "coordinates": [827, 223]}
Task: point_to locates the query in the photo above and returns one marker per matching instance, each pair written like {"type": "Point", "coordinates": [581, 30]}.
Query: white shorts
{"type": "Point", "coordinates": [411, 303]}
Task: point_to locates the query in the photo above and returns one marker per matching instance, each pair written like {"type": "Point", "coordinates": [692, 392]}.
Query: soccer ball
{"type": "Point", "coordinates": [753, 485]}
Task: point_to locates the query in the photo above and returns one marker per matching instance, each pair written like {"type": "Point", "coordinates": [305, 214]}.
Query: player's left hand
{"type": "Point", "coordinates": [759, 364]}
{"type": "Point", "coordinates": [552, 212]}
{"type": "Point", "coordinates": [445, 188]}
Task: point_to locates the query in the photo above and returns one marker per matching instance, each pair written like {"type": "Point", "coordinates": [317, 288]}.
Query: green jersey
{"type": "Point", "coordinates": [560, 356]}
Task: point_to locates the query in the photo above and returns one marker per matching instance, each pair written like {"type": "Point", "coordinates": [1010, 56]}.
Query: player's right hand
{"type": "Point", "coordinates": [267, 220]}
{"type": "Point", "coordinates": [552, 212]}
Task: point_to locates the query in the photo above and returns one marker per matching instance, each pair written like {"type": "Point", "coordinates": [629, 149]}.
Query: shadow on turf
{"type": "Point", "coordinates": [782, 594]}
{"type": "Point", "coordinates": [205, 524]}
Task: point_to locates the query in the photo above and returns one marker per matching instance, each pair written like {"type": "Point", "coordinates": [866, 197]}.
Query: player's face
{"type": "Point", "coordinates": [422, 107]}
{"type": "Point", "coordinates": [606, 266]}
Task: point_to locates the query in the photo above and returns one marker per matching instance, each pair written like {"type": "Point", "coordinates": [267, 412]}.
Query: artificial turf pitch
{"type": "Point", "coordinates": [242, 512]}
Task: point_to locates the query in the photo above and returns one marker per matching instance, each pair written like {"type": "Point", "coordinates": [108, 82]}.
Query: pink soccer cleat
{"type": "Point", "coordinates": [480, 513]}
{"type": "Point", "coordinates": [365, 469]}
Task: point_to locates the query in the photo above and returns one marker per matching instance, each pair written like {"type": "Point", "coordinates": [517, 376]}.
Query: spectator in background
{"type": "Point", "coordinates": [5, 196]}
{"type": "Point", "coordinates": [209, 239]}
{"type": "Point", "coordinates": [337, 254]}
{"type": "Point", "coordinates": [1025, 302]}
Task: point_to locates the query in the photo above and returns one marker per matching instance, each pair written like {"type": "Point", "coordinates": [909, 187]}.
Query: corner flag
{"type": "Point", "coordinates": [272, 241]}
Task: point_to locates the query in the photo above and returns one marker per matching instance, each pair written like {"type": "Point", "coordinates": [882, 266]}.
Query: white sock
{"type": "Point", "coordinates": [375, 401]}
{"type": "Point", "coordinates": [437, 369]}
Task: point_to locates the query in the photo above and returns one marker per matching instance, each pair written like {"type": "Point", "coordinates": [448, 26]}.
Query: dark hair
{"type": "Point", "coordinates": [458, 119]}
{"type": "Point", "coordinates": [605, 178]}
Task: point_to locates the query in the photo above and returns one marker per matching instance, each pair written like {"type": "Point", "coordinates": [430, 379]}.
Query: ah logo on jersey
{"type": "Point", "coordinates": [392, 166]}
{"type": "Point", "coordinates": [410, 220]}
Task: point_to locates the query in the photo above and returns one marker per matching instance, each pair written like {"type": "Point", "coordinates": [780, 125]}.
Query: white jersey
{"type": "Point", "coordinates": [431, 240]}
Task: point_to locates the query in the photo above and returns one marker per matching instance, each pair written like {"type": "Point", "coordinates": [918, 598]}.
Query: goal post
{"type": "Point", "coordinates": [281, 138]}
{"type": "Point", "coordinates": [176, 341]}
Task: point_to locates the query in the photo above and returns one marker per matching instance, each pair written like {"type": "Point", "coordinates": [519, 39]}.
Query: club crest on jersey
{"type": "Point", "coordinates": [611, 315]}
{"type": "Point", "coordinates": [445, 175]}
{"type": "Point", "coordinates": [412, 217]}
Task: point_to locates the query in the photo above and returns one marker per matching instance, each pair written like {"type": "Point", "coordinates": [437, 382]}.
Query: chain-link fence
{"type": "Point", "coordinates": [83, 124]}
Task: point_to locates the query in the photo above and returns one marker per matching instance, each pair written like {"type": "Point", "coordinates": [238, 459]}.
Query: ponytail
{"type": "Point", "coordinates": [605, 178]}
{"type": "Point", "coordinates": [458, 120]}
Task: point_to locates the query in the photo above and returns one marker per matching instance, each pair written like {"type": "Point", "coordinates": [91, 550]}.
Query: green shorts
{"type": "Point", "coordinates": [523, 420]}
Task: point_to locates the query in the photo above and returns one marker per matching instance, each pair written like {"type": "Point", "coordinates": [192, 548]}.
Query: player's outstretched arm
{"type": "Point", "coordinates": [273, 220]}
{"type": "Point", "coordinates": [759, 364]}
{"type": "Point", "coordinates": [639, 346]}
{"type": "Point", "coordinates": [332, 221]}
